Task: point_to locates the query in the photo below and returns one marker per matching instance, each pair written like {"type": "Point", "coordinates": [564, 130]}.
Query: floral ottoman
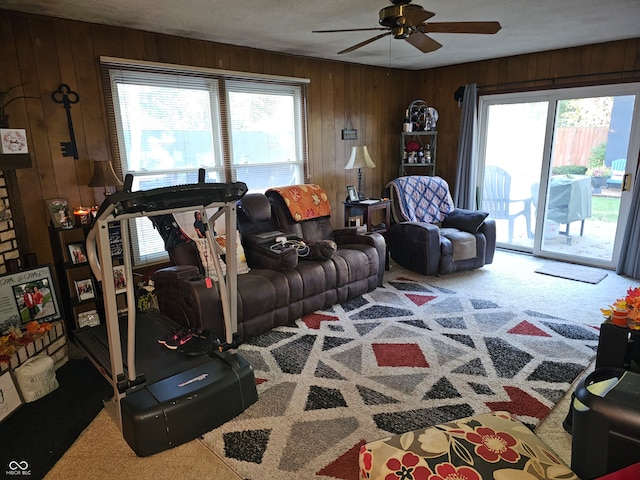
{"type": "Point", "coordinates": [491, 446]}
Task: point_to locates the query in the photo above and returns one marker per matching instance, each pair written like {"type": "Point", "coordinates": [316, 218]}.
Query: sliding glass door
{"type": "Point", "coordinates": [556, 169]}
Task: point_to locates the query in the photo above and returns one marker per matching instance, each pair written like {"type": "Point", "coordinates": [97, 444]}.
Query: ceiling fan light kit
{"type": "Point", "coordinates": [405, 21]}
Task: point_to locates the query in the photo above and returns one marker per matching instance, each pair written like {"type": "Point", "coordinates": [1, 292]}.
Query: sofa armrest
{"type": "Point", "coordinates": [183, 296]}
{"type": "Point", "coordinates": [416, 245]}
{"type": "Point", "coordinates": [488, 229]}
{"type": "Point", "coordinates": [354, 235]}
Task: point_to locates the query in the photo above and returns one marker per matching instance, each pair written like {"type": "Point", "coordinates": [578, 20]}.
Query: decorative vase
{"type": "Point", "coordinates": [620, 317]}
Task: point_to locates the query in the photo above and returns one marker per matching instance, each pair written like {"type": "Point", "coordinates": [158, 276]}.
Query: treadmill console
{"type": "Point", "coordinates": [164, 198]}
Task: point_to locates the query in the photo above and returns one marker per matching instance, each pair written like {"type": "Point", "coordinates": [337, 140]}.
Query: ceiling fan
{"type": "Point", "coordinates": [408, 22]}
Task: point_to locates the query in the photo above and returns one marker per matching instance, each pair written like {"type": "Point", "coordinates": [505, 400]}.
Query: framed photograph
{"type": "Point", "coordinates": [59, 212]}
{"type": "Point", "coordinates": [27, 295]}
{"type": "Point", "coordinates": [13, 140]}
{"type": "Point", "coordinates": [9, 396]}
{"type": "Point", "coordinates": [119, 279]}
{"type": "Point", "coordinates": [352, 194]}
{"type": "Point", "coordinates": [84, 289]}
{"type": "Point", "coordinates": [77, 253]}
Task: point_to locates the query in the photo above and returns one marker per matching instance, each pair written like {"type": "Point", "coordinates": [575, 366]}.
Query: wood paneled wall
{"type": "Point", "coordinates": [43, 52]}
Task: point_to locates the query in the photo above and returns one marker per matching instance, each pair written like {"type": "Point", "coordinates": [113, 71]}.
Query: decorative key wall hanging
{"type": "Point", "coordinates": [67, 97]}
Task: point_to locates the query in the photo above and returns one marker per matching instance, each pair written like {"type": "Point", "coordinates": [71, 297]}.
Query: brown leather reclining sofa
{"type": "Point", "coordinates": [278, 288]}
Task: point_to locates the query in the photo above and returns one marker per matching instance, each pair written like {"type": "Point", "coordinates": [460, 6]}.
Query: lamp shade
{"type": "Point", "coordinates": [359, 159]}
{"type": "Point", "coordinates": [103, 175]}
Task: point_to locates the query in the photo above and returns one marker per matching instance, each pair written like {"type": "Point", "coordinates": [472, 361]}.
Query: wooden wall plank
{"type": "Point", "coordinates": [150, 47]}
{"type": "Point", "coordinates": [631, 57]}
{"type": "Point", "coordinates": [105, 41]}
{"type": "Point", "coordinates": [238, 59]}
{"type": "Point", "coordinates": [133, 44]}
{"type": "Point", "coordinates": [168, 49]}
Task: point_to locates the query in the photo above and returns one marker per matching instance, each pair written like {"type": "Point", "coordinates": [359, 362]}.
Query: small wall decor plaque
{"type": "Point", "coordinates": [13, 141]}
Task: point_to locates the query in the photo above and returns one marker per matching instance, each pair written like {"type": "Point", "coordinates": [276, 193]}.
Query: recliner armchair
{"type": "Point", "coordinates": [429, 235]}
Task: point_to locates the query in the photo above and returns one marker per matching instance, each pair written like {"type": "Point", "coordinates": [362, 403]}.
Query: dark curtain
{"type": "Point", "coordinates": [629, 262]}
{"type": "Point", "coordinates": [466, 173]}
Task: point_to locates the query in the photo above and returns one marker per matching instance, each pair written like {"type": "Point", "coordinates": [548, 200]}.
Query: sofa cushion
{"type": "Point", "coordinates": [464, 243]}
{"type": "Point", "coordinates": [465, 220]}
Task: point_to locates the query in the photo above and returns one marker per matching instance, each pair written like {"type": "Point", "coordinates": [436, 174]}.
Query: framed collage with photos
{"type": "Point", "coordinates": [28, 295]}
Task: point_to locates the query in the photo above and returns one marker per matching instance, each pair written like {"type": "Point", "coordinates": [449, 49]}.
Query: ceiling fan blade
{"type": "Point", "coordinates": [366, 42]}
{"type": "Point", "coordinates": [349, 30]}
{"type": "Point", "coordinates": [423, 43]}
{"type": "Point", "coordinates": [460, 27]}
{"type": "Point", "coordinates": [415, 14]}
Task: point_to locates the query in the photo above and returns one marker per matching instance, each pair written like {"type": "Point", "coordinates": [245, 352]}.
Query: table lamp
{"type": "Point", "coordinates": [360, 159]}
{"type": "Point", "coordinates": [104, 176]}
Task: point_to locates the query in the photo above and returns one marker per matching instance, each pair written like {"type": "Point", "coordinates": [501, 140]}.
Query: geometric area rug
{"type": "Point", "coordinates": [405, 356]}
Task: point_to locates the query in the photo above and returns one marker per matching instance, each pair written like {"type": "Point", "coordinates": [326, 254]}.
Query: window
{"type": "Point", "coordinates": [169, 122]}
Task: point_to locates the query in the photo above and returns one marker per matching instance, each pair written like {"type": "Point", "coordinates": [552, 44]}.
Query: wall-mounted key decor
{"type": "Point", "coordinates": [67, 97]}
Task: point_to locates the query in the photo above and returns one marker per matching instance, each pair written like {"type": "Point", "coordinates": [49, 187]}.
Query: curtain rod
{"type": "Point", "coordinates": [554, 79]}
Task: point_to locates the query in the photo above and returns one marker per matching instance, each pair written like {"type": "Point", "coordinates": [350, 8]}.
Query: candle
{"type": "Point", "coordinates": [82, 216]}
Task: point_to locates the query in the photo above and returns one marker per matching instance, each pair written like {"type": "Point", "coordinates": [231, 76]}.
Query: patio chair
{"type": "Point", "coordinates": [618, 168]}
{"type": "Point", "coordinates": [496, 199]}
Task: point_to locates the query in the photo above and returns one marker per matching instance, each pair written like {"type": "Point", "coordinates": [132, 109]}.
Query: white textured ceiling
{"type": "Point", "coordinates": [286, 25]}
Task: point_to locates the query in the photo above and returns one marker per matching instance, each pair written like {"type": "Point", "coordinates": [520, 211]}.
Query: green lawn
{"type": "Point", "coordinates": [605, 209]}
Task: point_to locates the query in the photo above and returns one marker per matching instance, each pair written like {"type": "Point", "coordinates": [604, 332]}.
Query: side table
{"type": "Point", "coordinates": [366, 209]}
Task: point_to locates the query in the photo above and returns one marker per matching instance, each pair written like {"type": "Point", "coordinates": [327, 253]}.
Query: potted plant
{"type": "Point", "coordinates": [599, 177]}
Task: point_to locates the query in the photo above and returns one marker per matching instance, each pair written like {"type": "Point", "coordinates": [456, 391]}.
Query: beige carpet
{"type": "Point", "coordinates": [101, 452]}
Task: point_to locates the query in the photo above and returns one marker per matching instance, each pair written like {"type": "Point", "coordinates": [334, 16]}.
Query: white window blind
{"type": "Point", "coordinates": [265, 134]}
{"type": "Point", "coordinates": [169, 123]}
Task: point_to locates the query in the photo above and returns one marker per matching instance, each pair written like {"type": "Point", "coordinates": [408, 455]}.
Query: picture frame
{"type": "Point", "coordinates": [77, 253]}
{"type": "Point", "coordinates": [352, 195]}
{"type": "Point", "coordinates": [84, 289]}
{"type": "Point", "coordinates": [10, 398]}
{"type": "Point", "coordinates": [17, 308]}
{"type": "Point", "coordinates": [120, 279]}
{"type": "Point", "coordinates": [59, 212]}
{"type": "Point", "coordinates": [13, 141]}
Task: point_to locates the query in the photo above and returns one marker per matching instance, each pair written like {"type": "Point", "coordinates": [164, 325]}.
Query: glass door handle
{"type": "Point", "coordinates": [626, 182]}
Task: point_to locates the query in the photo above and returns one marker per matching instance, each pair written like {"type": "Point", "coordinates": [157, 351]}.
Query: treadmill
{"type": "Point", "coordinates": [161, 397]}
